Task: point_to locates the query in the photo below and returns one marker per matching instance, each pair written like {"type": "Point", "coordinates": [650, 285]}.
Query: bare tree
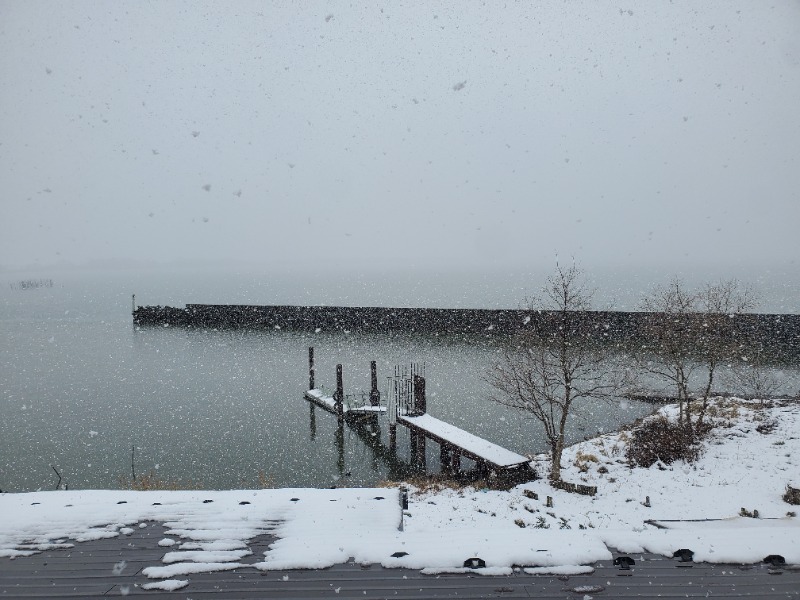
{"type": "Point", "coordinates": [719, 340]}
{"type": "Point", "coordinates": [756, 380]}
{"type": "Point", "coordinates": [556, 363]}
{"type": "Point", "coordinates": [689, 335]}
{"type": "Point", "coordinates": [668, 329]}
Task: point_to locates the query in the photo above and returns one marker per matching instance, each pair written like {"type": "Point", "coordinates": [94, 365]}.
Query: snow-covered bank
{"type": "Point", "coordinates": [740, 467]}
{"type": "Point", "coordinates": [747, 462]}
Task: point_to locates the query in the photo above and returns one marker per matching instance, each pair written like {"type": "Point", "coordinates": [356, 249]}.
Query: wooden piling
{"type": "Point", "coordinates": [311, 385]}
{"type": "Point", "coordinates": [420, 407]}
{"type": "Point", "coordinates": [339, 441]}
{"type": "Point", "coordinates": [374, 394]}
{"type": "Point", "coordinates": [444, 457]}
{"type": "Point", "coordinates": [338, 396]}
{"type": "Point", "coordinates": [420, 459]}
{"type": "Point", "coordinates": [393, 438]}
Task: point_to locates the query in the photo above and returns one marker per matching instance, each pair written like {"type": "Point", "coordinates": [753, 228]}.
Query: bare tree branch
{"type": "Point", "coordinates": [690, 334]}
{"type": "Point", "coordinates": [556, 363]}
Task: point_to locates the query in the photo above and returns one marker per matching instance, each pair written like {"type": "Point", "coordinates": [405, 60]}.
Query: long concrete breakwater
{"type": "Point", "coordinates": [780, 333]}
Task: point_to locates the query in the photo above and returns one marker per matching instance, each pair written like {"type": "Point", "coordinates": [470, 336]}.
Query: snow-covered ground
{"type": "Point", "coordinates": [739, 468]}
{"type": "Point", "coordinates": [209, 530]}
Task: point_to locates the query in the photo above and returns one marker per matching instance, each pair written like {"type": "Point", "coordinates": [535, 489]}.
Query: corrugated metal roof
{"type": "Point", "coordinates": [89, 570]}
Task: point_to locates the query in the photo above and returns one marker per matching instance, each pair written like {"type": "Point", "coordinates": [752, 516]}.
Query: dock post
{"type": "Point", "coordinates": [311, 368]}
{"type": "Point", "coordinates": [374, 394]}
{"type": "Point", "coordinates": [133, 304]}
{"type": "Point", "coordinates": [339, 439]}
{"type": "Point", "coordinates": [338, 396]}
{"type": "Point", "coordinates": [418, 449]}
{"type": "Point", "coordinates": [455, 462]}
{"type": "Point", "coordinates": [444, 457]}
{"type": "Point", "coordinates": [420, 407]}
{"type": "Point", "coordinates": [421, 458]}
{"type": "Point", "coordinates": [312, 421]}
{"type": "Point", "coordinates": [392, 401]}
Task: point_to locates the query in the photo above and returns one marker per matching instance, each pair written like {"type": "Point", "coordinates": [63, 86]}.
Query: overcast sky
{"type": "Point", "coordinates": [458, 134]}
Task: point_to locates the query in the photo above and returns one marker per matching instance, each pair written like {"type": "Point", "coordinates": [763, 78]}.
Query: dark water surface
{"type": "Point", "coordinates": [220, 409]}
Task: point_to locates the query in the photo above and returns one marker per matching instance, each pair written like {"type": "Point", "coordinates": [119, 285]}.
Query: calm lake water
{"type": "Point", "coordinates": [81, 385]}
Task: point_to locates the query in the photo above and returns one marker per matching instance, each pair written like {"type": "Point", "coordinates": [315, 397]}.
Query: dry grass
{"type": "Point", "coordinates": [583, 459]}
{"type": "Point", "coordinates": [424, 484]}
{"type": "Point", "coordinates": [151, 482]}
{"type": "Point", "coordinates": [724, 409]}
{"type": "Point", "coordinates": [265, 482]}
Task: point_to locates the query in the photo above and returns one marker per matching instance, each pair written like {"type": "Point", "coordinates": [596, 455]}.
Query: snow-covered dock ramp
{"type": "Point", "coordinates": [470, 445]}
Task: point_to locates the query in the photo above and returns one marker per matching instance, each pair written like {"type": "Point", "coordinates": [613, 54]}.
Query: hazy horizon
{"type": "Point", "coordinates": [108, 290]}
{"type": "Point", "coordinates": [429, 136]}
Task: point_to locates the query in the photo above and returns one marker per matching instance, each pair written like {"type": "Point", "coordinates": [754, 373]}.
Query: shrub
{"type": "Point", "coordinates": [792, 495]}
{"type": "Point", "coordinates": [767, 426]}
{"type": "Point", "coordinates": [660, 439]}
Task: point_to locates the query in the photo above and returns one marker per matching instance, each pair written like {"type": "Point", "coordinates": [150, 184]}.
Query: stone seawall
{"type": "Point", "coordinates": [778, 332]}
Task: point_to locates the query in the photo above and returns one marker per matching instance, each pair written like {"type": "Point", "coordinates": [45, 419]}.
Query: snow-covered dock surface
{"type": "Point", "coordinates": [472, 444]}
{"type": "Point", "coordinates": [746, 463]}
{"type": "Point", "coordinates": [327, 402]}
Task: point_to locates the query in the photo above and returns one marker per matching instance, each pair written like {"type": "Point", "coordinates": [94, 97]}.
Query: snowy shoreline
{"type": "Point", "coordinates": [690, 506]}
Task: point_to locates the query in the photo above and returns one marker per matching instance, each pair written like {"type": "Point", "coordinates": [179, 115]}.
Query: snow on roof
{"type": "Point", "coordinates": [315, 529]}
{"type": "Point", "coordinates": [463, 439]}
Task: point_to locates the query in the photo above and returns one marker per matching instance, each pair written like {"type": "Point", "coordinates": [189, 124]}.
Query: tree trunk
{"type": "Point", "coordinates": [555, 455]}
{"type": "Point", "coordinates": [706, 394]}
{"type": "Point", "coordinates": [685, 401]}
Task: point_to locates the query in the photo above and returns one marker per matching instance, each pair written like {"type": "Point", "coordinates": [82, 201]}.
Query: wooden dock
{"type": "Point", "coordinates": [406, 405]}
